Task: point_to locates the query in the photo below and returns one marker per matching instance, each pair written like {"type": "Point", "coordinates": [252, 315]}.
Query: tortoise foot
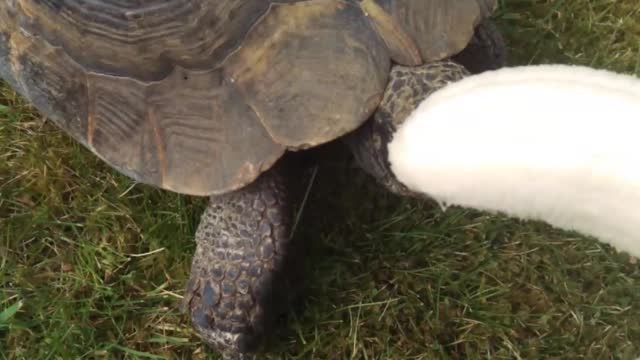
{"type": "Point", "coordinates": [241, 275]}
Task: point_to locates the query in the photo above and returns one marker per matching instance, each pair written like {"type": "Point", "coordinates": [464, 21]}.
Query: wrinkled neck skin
{"type": "Point", "coordinates": [554, 143]}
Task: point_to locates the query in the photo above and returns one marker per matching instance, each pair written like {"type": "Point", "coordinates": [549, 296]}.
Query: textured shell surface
{"type": "Point", "coordinates": [200, 97]}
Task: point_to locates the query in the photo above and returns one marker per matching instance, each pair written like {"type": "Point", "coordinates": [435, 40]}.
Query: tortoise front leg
{"type": "Point", "coordinates": [407, 88]}
{"type": "Point", "coordinates": [241, 275]}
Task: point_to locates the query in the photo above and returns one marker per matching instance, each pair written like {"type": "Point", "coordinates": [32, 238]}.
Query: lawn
{"type": "Point", "coordinates": [94, 266]}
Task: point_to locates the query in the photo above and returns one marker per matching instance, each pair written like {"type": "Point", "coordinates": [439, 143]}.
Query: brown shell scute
{"type": "Point", "coordinates": [312, 70]}
{"type": "Point", "coordinates": [142, 39]}
{"type": "Point", "coordinates": [56, 86]}
{"type": "Point", "coordinates": [440, 28]}
{"type": "Point", "coordinates": [212, 140]}
{"type": "Point", "coordinates": [190, 132]}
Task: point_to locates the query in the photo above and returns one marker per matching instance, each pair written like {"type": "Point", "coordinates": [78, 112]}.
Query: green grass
{"type": "Point", "coordinates": [92, 266]}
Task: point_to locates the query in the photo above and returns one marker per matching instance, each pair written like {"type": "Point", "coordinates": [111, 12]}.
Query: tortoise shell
{"type": "Point", "coordinates": [201, 96]}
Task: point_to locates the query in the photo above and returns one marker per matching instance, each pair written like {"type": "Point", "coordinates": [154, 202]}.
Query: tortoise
{"type": "Point", "coordinates": [204, 98]}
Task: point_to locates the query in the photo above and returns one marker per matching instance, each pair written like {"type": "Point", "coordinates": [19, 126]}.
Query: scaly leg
{"type": "Point", "coordinates": [407, 88]}
{"type": "Point", "coordinates": [242, 275]}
